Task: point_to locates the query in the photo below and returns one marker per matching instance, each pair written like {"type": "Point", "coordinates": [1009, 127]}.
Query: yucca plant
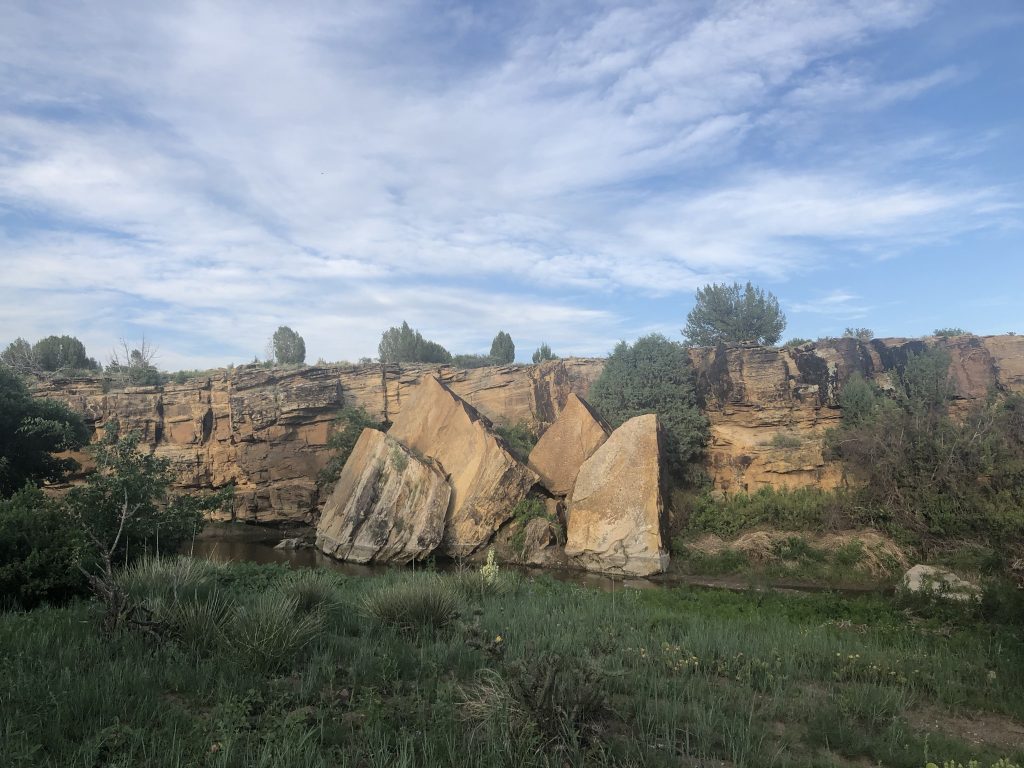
{"type": "Point", "coordinates": [268, 631]}
{"type": "Point", "coordinates": [163, 577]}
{"type": "Point", "coordinates": [197, 622]}
{"type": "Point", "coordinates": [313, 589]}
{"type": "Point", "coordinates": [411, 604]}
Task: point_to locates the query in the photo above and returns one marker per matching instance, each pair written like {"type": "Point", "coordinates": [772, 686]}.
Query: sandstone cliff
{"type": "Point", "coordinates": [266, 430]}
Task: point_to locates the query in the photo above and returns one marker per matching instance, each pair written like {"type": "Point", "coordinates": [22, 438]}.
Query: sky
{"type": "Point", "coordinates": [199, 174]}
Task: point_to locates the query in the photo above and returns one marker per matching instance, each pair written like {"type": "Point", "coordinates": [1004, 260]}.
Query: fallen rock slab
{"type": "Point", "coordinates": [388, 506]}
{"type": "Point", "coordinates": [571, 440]}
{"type": "Point", "coordinates": [486, 480]}
{"type": "Point", "coordinates": [616, 511]}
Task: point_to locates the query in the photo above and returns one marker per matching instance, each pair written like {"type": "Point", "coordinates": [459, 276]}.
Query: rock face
{"type": "Point", "coordinates": [487, 481]}
{"type": "Point", "coordinates": [388, 506]}
{"type": "Point", "coordinates": [266, 430]}
{"type": "Point", "coordinates": [616, 512]}
{"type": "Point", "coordinates": [571, 440]}
{"type": "Point", "coordinates": [769, 408]}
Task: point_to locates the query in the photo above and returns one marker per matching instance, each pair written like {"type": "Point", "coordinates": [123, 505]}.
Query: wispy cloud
{"type": "Point", "coordinates": [207, 171]}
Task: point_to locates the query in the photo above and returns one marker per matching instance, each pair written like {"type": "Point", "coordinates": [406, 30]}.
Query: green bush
{"type": "Point", "coordinates": [933, 476]}
{"type": "Point", "coordinates": [198, 621]}
{"type": "Point", "coordinates": [801, 509]}
{"type": "Point", "coordinates": [519, 439]}
{"type": "Point", "coordinates": [31, 430]}
{"type": "Point", "coordinates": [40, 551]}
{"type": "Point", "coordinates": [348, 426]}
{"type": "Point", "coordinates": [413, 604]}
{"type": "Point", "coordinates": [655, 375]}
{"type": "Point", "coordinates": [313, 589]}
{"type": "Point", "coordinates": [167, 577]}
{"type": "Point", "coordinates": [137, 482]}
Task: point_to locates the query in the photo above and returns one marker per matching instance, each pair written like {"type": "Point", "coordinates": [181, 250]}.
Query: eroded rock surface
{"type": "Point", "coordinates": [388, 505]}
{"type": "Point", "coordinates": [487, 481]}
{"type": "Point", "coordinates": [565, 445]}
{"type": "Point", "coordinates": [616, 513]}
{"type": "Point", "coordinates": [266, 431]}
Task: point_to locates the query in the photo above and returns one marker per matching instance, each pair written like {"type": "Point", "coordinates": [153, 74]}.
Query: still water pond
{"type": "Point", "coordinates": [235, 542]}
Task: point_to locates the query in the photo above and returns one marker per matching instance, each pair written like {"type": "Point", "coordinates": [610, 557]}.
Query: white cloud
{"type": "Point", "coordinates": [215, 169]}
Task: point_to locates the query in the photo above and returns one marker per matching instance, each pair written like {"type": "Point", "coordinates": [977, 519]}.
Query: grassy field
{"type": "Point", "coordinates": [262, 666]}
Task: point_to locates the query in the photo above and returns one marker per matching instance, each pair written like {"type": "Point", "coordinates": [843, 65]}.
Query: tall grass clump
{"type": "Point", "coordinates": [199, 623]}
{"type": "Point", "coordinates": [167, 577]}
{"type": "Point", "coordinates": [313, 589]}
{"type": "Point", "coordinates": [413, 604]}
{"type": "Point", "coordinates": [268, 631]}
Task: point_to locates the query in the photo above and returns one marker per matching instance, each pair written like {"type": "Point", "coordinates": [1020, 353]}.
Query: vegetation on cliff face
{"type": "Point", "coordinates": [926, 475]}
{"type": "Point", "coordinates": [347, 427]}
{"type": "Point", "coordinates": [654, 375]}
{"type": "Point", "coordinates": [259, 665]}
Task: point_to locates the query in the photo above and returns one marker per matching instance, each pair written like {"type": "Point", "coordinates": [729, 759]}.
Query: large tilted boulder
{"type": "Point", "coordinates": [615, 515]}
{"type": "Point", "coordinates": [571, 440]}
{"type": "Point", "coordinates": [388, 506]}
{"type": "Point", "coordinates": [487, 481]}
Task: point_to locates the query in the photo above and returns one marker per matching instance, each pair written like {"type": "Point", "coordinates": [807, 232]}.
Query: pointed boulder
{"type": "Point", "coordinates": [486, 480]}
{"type": "Point", "coordinates": [615, 515]}
{"type": "Point", "coordinates": [571, 440]}
{"type": "Point", "coordinates": [388, 506]}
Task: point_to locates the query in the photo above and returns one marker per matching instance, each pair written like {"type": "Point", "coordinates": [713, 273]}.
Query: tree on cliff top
{"type": "Point", "coordinates": [543, 352]}
{"type": "Point", "coordinates": [725, 313]}
{"type": "Point", "coordinates": [503, 349]}
{"type": "Point", "coordinates": [289, 347]}
{"type": "Point", "coordinates": [654, 375]}
{"type": "Point", "coordinates": [402, 344]}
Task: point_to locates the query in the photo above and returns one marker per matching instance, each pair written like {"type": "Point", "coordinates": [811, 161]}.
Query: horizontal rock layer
{"type": "Point", "coordinates": [266, 429]}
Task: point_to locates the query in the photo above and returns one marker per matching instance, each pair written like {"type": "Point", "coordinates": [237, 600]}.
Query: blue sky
{"type": "Point", "coordinates": [200, 173]}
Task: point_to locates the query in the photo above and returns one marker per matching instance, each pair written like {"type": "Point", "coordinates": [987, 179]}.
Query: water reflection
{"type": "Point", "coordinates": [234, 544]}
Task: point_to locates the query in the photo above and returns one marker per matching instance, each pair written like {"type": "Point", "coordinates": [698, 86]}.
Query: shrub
{"type": "Point", "coordinates": [402, 344]}
{"type": "Point", "coordinates": [348, 426]}
{"type": "Point", "coordinates": [543, 353]}
{"type": "Point", "coordinates": [40, 551]}
{"type": "Point", "coordinates": [198, 621]}
{"type": "Point", "coordinates": [785, 442]}
{"type": "Point", "coordinates": [167, 577]}
{"type": "Point", "coordinates": [313, 589]}
{"type": "Point", "coordinates": [935, 477]}
{"type": "Point", "coordinates": [133, 484]}
{"type": "Point", "coordinates": [519, 439]}
{"type": "Point", "coordinates": [31, 430]}
{"type": "Point", "coordinates": [798, 509]}
{"type": "Point", "coordinates": [413, 604]}
{"type": "Point", "coordinates": [268, 632]}
{"type": "Point", "coordinates": [796, 341]}
{"type": "Point", "coordinates": [863, 334]}
{"type": "Point", "coordinates": [655, 375]}
{"type": "Point", "coordinates": [947, 332]}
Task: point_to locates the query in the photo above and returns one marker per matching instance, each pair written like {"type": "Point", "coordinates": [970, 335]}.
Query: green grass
{"type": "Point", "coordinates": [540, 673]}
